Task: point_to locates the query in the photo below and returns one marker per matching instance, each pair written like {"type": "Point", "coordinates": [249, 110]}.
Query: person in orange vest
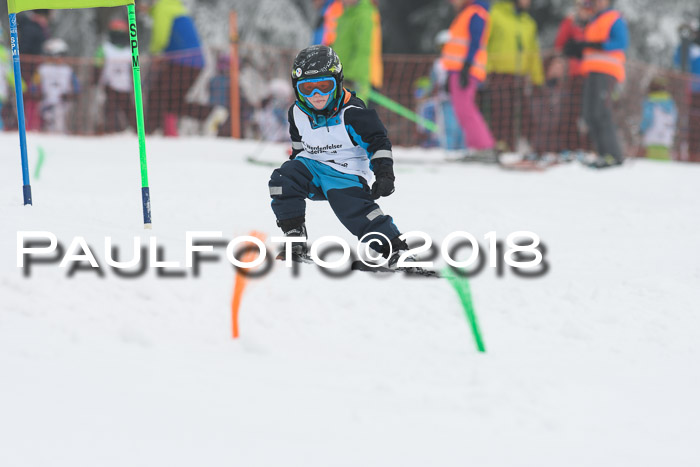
{"type": "Point", "coordinates": [464, 57]}
{"type": "Point", "coordinates": [326, 30]}
{"type": "Point", "coordinates": [571, 78]}
{"type": "Point", "coordinates": [606, 39]}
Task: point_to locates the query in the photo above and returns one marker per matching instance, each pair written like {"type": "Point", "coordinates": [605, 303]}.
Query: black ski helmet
{"type": "Point", "coordinates": [318, 61]}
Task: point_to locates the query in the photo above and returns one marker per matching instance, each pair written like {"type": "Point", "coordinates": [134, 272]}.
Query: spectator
{"type": "Point", "coordinates": [571, 28]}
{"type": "Point", "coordinates": [691, 60]}
{"type": "Point", "coordinates": [116, 78]}
{"type": "Point", "coordinates": [464, 57]}
{"type": "Point", "coordinates": [220, 90]}
{"type": "Point", "coordinates": [514, 65]}
{"type": "Point", "coordinates": [427, 109]}
{"type": "Point", "coordinates": [451, 137]}
{"type": "Point", "coordinates": [271, 117]}
{"type": "Point", "coordinates": [175, 36]}
{"type": "Point", "coordinates": [327, 29]}
{"type": "Point", "coordinates": [359, 46]}
{"type": "Point", "coordinates": [606, 39]}
{"type": "Point", "coordinates": [659, 118]}
{"type": "Point", "coordinates": [33, 30]}
{"type": "Point", "coordinates": [57, 85]}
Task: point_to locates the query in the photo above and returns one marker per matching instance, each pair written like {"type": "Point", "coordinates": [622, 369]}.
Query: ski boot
{"type": "Point", "coordinates": [294, 228]}
{"type": "Point", "coordinates": [605, 162]}
{"type": "Point", "coordinates": [398, 249]}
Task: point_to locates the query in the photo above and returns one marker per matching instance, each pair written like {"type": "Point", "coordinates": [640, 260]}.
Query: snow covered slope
{"type": "Point", "coordinates": [595, 363]}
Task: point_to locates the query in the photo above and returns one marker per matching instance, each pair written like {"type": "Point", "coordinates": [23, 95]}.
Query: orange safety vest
{"type": "Point", "coordinates": [609, 62]}
{"type": "Point", "coordinates": [455, 51]}
{"type": "Point", "coordinates": [376, 64]}
{"type": "Point", "coordinates": [330, 20]}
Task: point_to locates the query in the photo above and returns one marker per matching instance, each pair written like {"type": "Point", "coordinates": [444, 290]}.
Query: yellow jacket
{"type": "Point", "coordinates": [513, 47]}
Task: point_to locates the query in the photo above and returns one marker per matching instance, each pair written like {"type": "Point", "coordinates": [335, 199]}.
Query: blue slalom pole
{"type": "Point", "coordinates": [14, 41]}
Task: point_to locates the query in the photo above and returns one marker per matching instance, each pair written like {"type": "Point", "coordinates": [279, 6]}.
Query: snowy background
{"type": "Point", "coordinates": [594, 364]}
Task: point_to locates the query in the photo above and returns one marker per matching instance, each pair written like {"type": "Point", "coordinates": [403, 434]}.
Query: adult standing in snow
{"type": "Point", "coordinates": [175, 38]}
{"type": "Point", "coordinates": [606, 39]}
{"type": "Point", "coordinates": [464, 56]}
{"type": "Point", "coordinates": [359, 45]}
{"type": "Point", "coordinates": [327, 28]}
{"type": "Point", "coordinates": [688, 59]}
{"type": "Point", "coordinates": [571, 28]}
{"type": "Point", "coordinates": [514, 65]}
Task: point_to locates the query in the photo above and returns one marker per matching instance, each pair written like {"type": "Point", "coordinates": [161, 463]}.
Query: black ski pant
{"type": "Point", "coordinates": [348, 195]}
{"type": "Point", "coordinates": [598, 114]}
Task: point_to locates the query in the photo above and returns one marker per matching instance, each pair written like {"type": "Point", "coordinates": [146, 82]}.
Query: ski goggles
{"type": "Point", "coordinates": [323, 86]}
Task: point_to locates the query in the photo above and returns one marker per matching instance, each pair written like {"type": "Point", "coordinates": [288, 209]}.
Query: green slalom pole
{"type": "Point", "coordinates": [138, 98]}
{"type": "Point", "coordinates": [402, 111]}
{"type": "Point", "coordinates": [461, 285]}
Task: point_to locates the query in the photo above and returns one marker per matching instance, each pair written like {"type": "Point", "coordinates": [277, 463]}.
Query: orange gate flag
{"type": "Point", "coordinates": [239, 285]}
{"type": "Point", "coordinates": [15, 6]}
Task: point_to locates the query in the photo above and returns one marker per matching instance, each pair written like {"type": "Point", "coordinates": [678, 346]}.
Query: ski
{"type": "Point", "coordinates": [360, 266]}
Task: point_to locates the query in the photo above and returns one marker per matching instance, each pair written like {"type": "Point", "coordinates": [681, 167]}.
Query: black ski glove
{"type": "Point", "coordinates": [593, 45]}
{"type": "Point", "coordinates": [384, 173]}
{"type": "Point", "coordinates": [573, 48]}
{"type": "Point", "coordinates": [464, 74]}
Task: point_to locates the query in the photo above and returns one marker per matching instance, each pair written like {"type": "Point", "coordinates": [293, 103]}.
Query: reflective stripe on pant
{"type": "Point", "coordinates": [598, 114]}
{"type": "Point", "coordinates": [348, 195]}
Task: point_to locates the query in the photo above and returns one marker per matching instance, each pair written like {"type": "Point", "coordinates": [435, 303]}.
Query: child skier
{"type": "Point", "coordinates": [660, 115]}
{"type": "Point", "coordinates": [336, 145]}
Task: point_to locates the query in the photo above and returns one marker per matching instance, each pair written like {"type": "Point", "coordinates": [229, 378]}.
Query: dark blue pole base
{"type": "Point", "coordinates": [146, 199]}
{"type": "Point", "coordinates": [27, 191]}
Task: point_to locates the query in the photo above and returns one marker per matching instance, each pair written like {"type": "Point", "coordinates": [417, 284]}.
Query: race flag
{"type": "Point", "coordinates": [15, 6]}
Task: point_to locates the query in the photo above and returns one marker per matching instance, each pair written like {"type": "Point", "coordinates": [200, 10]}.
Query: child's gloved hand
{"type": "Point", "coordinates": [384, 174]}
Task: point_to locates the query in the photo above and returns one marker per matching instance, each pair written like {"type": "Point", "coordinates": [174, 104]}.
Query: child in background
{"type": "Point", "coordinates": [272, 115]}
{"type": "Point", "coordinates": [452, 137]}
{"type": "Point", "coordinates": [117, 78]}
{"type": "Point", "coordinates": [425, 107]}
{"type": "Point", "coordinates": [57, 85]}
{"type": "Point", "coordinates": [220, 93]}
{"type": "Point", "coordinates": [660, 115]}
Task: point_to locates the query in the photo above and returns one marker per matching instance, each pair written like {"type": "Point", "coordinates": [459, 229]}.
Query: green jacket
{"type": "Point", "coordinates": [513, 46]}
{"type": "Point", "coordinates": [356, 44]}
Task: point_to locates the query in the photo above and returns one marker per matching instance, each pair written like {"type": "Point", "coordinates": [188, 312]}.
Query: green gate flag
{"type": "Point", "coordinates": [15, 6]}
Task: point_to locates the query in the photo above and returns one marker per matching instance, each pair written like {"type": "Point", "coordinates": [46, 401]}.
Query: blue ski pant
{"type": "Point", "coordinates": [348, 195]}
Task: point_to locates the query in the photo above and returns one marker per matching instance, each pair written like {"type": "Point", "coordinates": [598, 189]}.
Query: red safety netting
{"type": "Point", "coordinates": [85, 96]}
